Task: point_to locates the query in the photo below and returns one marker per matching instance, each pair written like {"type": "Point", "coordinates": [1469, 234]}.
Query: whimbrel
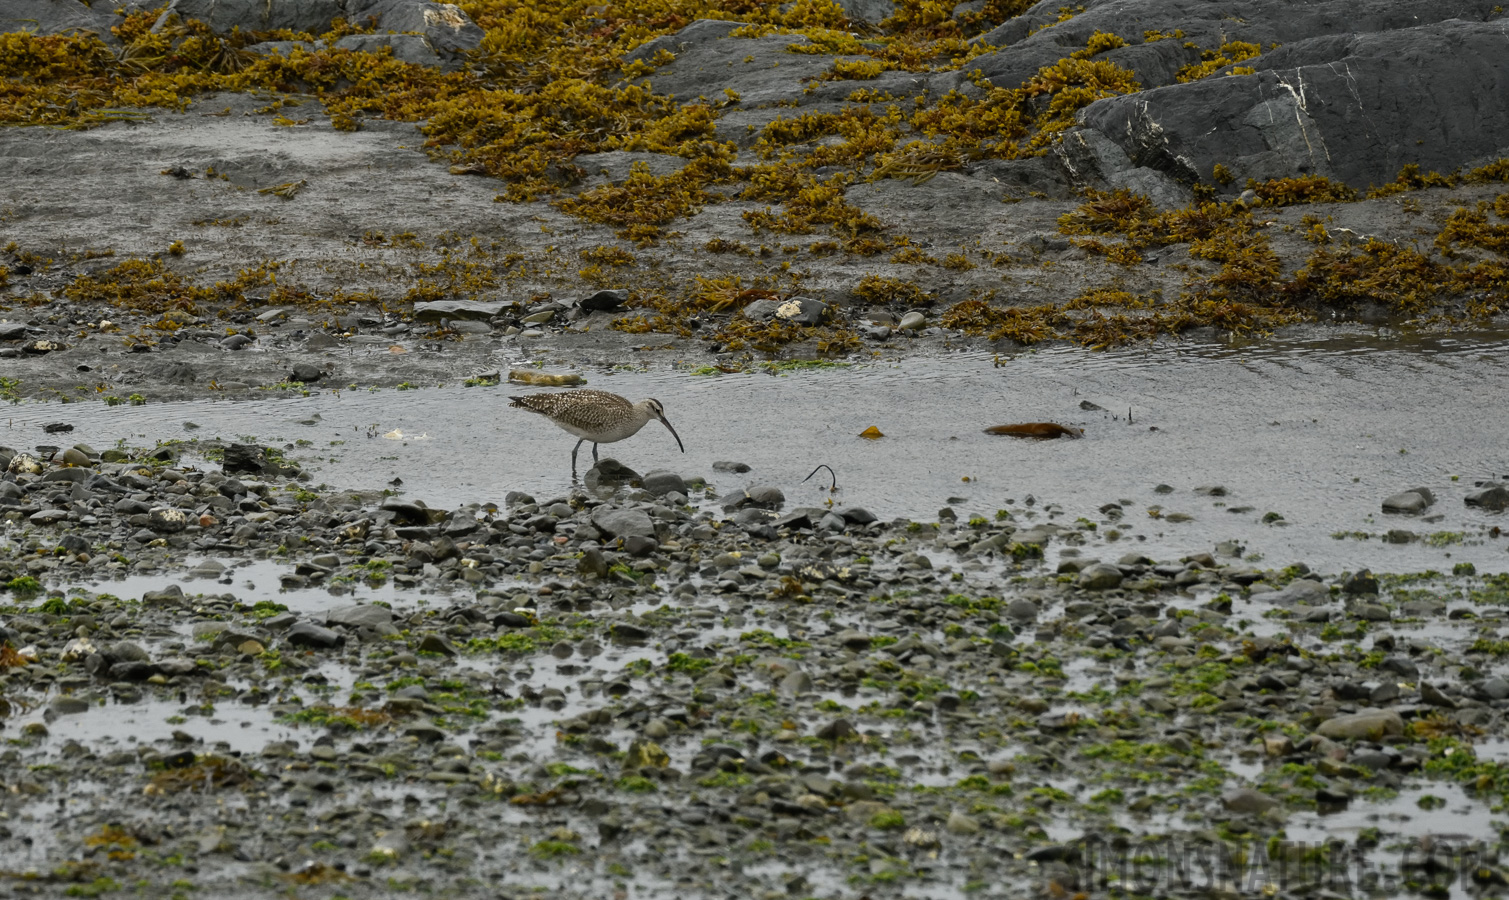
{"type": "Point", "coordinates": [596, 416]}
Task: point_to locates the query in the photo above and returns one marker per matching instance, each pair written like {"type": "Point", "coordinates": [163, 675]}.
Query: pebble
{"type": "Point", "coordinates": [1410, 502]}
{"type": "Point", "coordinates": [1370, 725]}
{"type": "Point", "coordinates": [1100, 577]}
{"type": "Point", "coordinates": [307, 634]}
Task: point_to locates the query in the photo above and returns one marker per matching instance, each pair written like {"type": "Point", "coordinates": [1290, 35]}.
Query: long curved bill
{"type": "Point", "coordinates": [667, 424]}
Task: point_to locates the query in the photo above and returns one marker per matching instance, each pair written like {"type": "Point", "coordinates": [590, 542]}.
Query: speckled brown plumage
{"type": "Point", "coordinates": [594, 411]}
{"type": "Point", "coordinates": [596, 416]}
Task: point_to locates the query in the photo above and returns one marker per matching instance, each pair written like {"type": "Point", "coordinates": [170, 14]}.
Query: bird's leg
{"type": "Point", "coordinates": [594, 453]}
{"type": "Point", "coordinates": [573, 456]}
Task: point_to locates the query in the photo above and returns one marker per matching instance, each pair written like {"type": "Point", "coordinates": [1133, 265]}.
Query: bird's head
{"type": "Point", "coordinates": [659, 412]}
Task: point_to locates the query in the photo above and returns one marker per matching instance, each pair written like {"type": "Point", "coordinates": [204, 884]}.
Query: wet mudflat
{"type": "Point", "coordinates": [261, 673]}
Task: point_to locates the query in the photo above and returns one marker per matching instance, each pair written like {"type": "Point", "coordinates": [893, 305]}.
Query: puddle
{"type": "Point", "coordinates": [126, 726]}
{"type": "Point", "coordinates": [251, 581]}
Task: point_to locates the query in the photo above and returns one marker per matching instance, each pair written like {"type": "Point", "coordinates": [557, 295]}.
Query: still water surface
{"type": "Point", "coordinates": [1316, 430]}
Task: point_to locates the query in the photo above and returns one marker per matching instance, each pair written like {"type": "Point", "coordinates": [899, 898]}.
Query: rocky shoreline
{"type": "Point", "coordinates": [639, 688]}
{"type": "Point", "coordinates": [828, 181]}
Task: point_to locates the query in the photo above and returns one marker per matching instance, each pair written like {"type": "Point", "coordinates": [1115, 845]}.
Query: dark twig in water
{"type": "Point", "coordinates": [834, 488]}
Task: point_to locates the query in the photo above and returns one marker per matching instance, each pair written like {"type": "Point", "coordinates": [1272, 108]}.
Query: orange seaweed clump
{"type": "Point", "coordinates": [1401, 278]}
{"type": "Point", "coordinates": [810, 202]}
{"type": "Point", "coordinates": [1212, 61]}
{"type": "Point", "coordinates": [643, 204]}
{"type": "Point", "coordinates": [876, 290]}
{"type": "Point", "coordinates": [1039, 430]}
{"type": "Point", "coordinates": [1107, 212]}
{"type": "Point", "coordinates": [143, 285]}
{"type": "Point", "coordinates": [1301, 189]}
{"type": "Point", "coordinates": [1471, 228]}
{"type": "Point", "coordinates": [206, 773]}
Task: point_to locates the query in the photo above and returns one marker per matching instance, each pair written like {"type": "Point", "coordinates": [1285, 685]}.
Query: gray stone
{"type": "Point", "coordinates": [764, 497]}
{"type": "Point", "coordinates": [243, 458]}
{"type": "Point", "coordinates": [608, 475]}
{"type": "Point", "coordinates": [1408, 502]}
{"type": "Point", "coordinates": [434, 643]}
{"type": "Point", "coordinates": [621, 523]}
{"type": "Point", "coordinates": [628, 631]}
{"type": "Point", "coordinates": [852, 639]}
{"type": "Point", "coordinates": [870, 12]}
{"type": "Point", "coordinates": [1300, 591]}
{"type": "Point", "coordinates": [133, 671]}
{"type": "Point", "coordinates": [1433, 696]}
{"type": "Point", "coordinates": [359, 615]}
{"type": "Point", "coordinates": [209, 568]}
{"type": "Point", "coordinates": [1360, 583]}
{"type": "Point", "coordinates": [856, 515]}
{"type": "Point", "coordinates": [1092, 158]}
{"type": "Point", "coordinates": [1037, 37]}
{"type": "Point", "coordinates": [605, 300]}
{"type": "Point", "coordinates": [1100, 577]}
{"type": "Point", "coordinates": [425, 732]}
{"type": "Point", "coordinates": [167, 520]}
{"type": "Point", "coordinates": [68, 706]}
{"type": "Point", "coordinates": [699, 33]}
{"type": "Point", "coordinates": [1495, 498]}
{"type": "Point", "coordinates": [444, 26]}
{"type": "Point", "coordinates": [1340, 107]}
{"type": "Point", "coordinates": [172, 595]}
{"type": "Point", "coordinates": [475, 310]}
{"type": "Point", "coordinates": [308, 634]}
{"type": "Point", "coordinates": [639, 546]}
{"type": "Point", "coordinates": [1021, 609]}
{"type": "Point", "coordinates": [1247, 801]}
{"type": "Point", "coordinates": [593, 563]}
{"type": "Point", "coordinates": [46, 17]}
{"type": "Point", "coordinates": [911, 321]}
{"type": "Point", "coordinates": [797, 310]}
{"type": "Point", "coordinates": [802, 517]}
{"type": "Point", "coordinates": [613, 167]}
{"type": "Point", "coordinates": [837, 730]}
{"type": "Point", "coordinates": [961, 824]}
{"type": "Point", "coordinates": [406, 512]}
{"type": "Point", "coordinates": [313, 16]}
{"type": "Point", "coordinates": [661, 482]}
{"type": "Point", "coordinates": [305, 372]}
{"type": "Point", "coordinates": [795, 683]}
{"type": "Point", "coordinates": [126, 651]}
{"type": "Point", "coordinates": [707, 62]}
{"type": "Point", "coordinates": [1370, 725]}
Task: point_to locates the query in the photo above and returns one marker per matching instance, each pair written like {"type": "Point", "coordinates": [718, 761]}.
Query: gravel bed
{"type": "Point", "coordinates": [644, 688]}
